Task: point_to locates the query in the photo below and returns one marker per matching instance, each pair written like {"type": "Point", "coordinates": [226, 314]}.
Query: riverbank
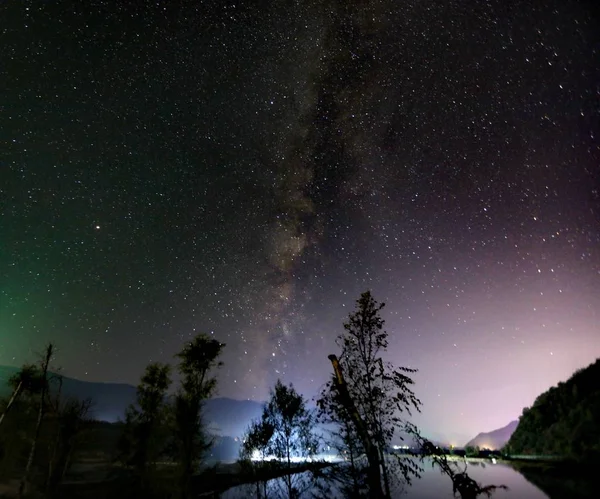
{"type": "Point", "coordinates": [118, 483]}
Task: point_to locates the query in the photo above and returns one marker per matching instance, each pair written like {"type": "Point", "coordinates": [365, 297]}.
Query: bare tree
{"type": "Point", "coordinates": [44, 387]}
{"type": "Point", "coordinates": [26, 380]}
{"type": "Point", "coordinates": [462, 483]}
{"type": "Point", "coordinates": [69, 416]}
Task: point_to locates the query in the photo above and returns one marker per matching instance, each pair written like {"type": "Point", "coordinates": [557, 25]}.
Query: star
{"type": "Point", "coordinates": [249, 176]}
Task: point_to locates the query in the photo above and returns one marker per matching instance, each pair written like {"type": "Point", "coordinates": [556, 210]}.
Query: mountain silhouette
{"type": "Point", "coordinates": [493, 440]}
{"type": "Point", "coordinates": [224, 416]}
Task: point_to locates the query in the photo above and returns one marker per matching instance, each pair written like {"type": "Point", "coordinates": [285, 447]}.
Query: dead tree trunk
{"type": "Point", "coordinates": [46, 362]}
{"type": "Point", "coordinates": [373, 470]}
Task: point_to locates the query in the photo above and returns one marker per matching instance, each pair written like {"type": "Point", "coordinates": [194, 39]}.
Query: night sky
{"type": "Point", "coordinates": [247, 169]}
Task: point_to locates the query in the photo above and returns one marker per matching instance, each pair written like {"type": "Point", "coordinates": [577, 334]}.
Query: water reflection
{"type": "Point", "coordinates": [434, 485]}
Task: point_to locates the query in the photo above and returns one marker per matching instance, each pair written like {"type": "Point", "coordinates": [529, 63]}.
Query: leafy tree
{"type": "Point", "coordinates": [196, 362]}
{"type": "Point", "coordinates": [145, 436]}
{"type": "Point", "coordinates": [381, 393]}
{"type": "Point", "coordinates": [291, 425]}
{"type": "Point", "coordinates": [257, 439]}
{"type": "Point", "coordinates": [258, 436]}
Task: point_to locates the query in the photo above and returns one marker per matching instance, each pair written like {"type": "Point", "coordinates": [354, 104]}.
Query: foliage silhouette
{"type": "Point", "coordinates": [381, 394]}
{"type": "Point", "coordinates": [145, 436]}
{"type": "Point", "coordinates": [563, 421]}
{"type": "Point", "coordinates": [284, 431]}
{"type": "Point", "coordinates": [257, 440]}
{"type": "Point", "coordinates": [196, 362]}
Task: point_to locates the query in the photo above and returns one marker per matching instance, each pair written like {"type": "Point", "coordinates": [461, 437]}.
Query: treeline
{"type": "Point", "coordinates": [159, 428]}
{"type": "Point", "coordinates": [563, 421]}
{"type": "Point", "coordinates": [42, 432]}
{"type": "Point", "coordinates": [163, 441]}
{"type": "Point", "coordinates": [39, 429]}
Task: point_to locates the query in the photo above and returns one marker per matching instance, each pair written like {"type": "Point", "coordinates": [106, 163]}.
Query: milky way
{"type": "Point", "coordinates": [248, 169]}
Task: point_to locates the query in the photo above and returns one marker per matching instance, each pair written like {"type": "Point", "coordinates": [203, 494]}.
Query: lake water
{"type": "Point", "coordinates": [434, 485]}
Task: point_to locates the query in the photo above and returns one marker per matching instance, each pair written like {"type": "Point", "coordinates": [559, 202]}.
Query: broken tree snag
{"type": "Point", "coordinates": [374, 472]}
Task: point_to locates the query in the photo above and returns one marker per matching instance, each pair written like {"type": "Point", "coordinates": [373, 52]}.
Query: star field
{"type": "Point", "coordinates": [247, 169]}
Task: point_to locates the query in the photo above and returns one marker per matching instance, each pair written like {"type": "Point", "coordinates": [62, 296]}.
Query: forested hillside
{"type": "Point", "coordinates": [564, 421]}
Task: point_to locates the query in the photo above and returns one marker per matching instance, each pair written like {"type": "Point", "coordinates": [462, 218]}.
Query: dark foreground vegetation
{"type": "Point", "coordinates": [50, 448]}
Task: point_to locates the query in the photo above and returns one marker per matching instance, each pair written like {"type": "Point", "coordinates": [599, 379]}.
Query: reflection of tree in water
{"type": "Point", "coordinates": [462, 484]}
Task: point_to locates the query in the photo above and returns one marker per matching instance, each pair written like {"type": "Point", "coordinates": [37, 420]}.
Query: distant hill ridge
{"type": "Point", "coordinates": [564, 421]}
{"type": "Point", "coordinates": [224, 416]}
{"type": "Point", "coordinates": [493, 440]}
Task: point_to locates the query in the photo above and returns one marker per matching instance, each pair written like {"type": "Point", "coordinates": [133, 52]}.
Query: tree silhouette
{"type": "Point", "coordinates": [44, 387]}
{"type": "Point", "coordinates": [68, 418]}
{"type": "Point", "coordinates": [28, 379]}
{"type": "Point", "coordinates": [144, 439]}
{"type": "Point", "coordinates": [336, 405]}
{"type": "Point", "coordinates": [380, 392]}
{"type": "Point", "coordinates": [291, 425]}
{"type": "Point", "coordinates": [196, 361]}
{"type": "Point", "coordinates": [257, 439]}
